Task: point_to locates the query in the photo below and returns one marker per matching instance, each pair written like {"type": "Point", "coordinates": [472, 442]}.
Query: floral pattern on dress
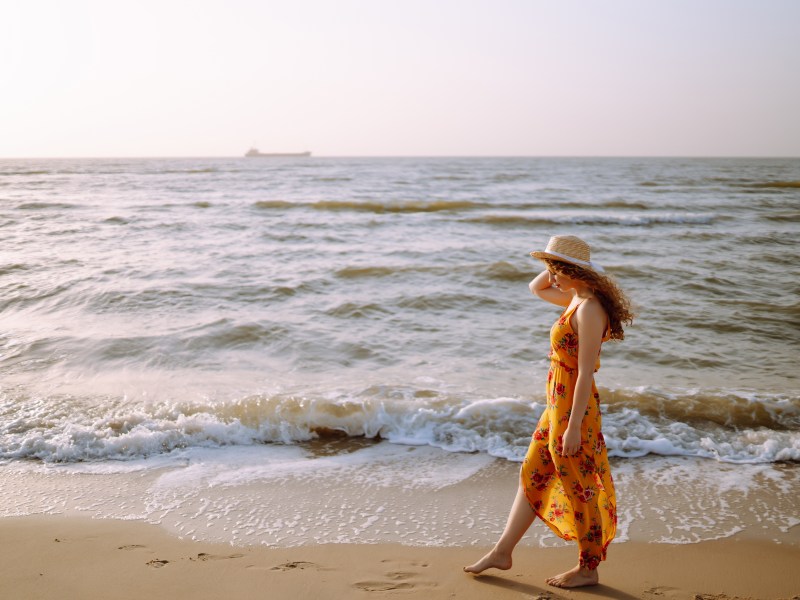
{"type": "Point", "coordinates": [569, 344]}
{"type": "Point", "coordinates": [573, 495]}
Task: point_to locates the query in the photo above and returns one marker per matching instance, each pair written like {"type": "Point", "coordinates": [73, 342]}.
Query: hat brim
{"type": "Point", "coordinates": [566, 259]}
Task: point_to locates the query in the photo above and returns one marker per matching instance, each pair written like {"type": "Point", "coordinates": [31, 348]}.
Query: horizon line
{"type": "Point", "coordinates": [242, 156]}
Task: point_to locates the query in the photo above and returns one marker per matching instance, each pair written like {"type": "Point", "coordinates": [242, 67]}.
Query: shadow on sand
{"type": "Point", "coordinates": [550, 593]}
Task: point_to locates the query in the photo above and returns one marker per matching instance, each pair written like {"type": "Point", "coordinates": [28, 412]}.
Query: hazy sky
{"type": "Point", "coordinates": [400, 77]}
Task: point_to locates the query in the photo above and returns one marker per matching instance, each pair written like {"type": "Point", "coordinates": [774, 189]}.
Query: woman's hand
{"type": "Point", "coordinates": [541, 282]}
{"type": "Point", "coordinates": [542, 286]}
{"type": "Point", "coordinates": [571, 441]}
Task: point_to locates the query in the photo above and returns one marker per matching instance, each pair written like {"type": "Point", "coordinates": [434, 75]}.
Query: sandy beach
{"type": "Point", "coordinates": [390, 523]}
{"type": "Point", "coordinates": [74, 557]}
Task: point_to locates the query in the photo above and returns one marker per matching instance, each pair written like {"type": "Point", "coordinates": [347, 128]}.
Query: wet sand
{"type": "Point", "coordinates": [77, 557]}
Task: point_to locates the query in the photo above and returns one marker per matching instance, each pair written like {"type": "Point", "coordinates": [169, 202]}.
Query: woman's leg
{"type": "Point", "coordinates": [583, 492]}
{"type": "Point", "coordinates": [519, 520]}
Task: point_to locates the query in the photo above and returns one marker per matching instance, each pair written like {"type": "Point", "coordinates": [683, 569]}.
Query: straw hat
{"type": "Point", "coordinates": [568, 249]}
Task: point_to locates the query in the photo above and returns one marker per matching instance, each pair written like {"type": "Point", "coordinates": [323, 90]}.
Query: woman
{"type": "Point", "coordinates": [565, 479]}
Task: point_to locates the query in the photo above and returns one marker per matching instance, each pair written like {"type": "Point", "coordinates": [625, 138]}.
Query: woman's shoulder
{"type": "Point", "coordinates": [591, 311]}
{"type": "Point", "coordinates": [591, 304]}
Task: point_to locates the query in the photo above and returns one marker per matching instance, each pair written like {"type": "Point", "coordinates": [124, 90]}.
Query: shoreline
{"type": "Point", "coordinates": [376, 520]}
{"type": "Point", "coordinates": [285, 496]}
{"type": "Point", "coordinates": [80, 557]}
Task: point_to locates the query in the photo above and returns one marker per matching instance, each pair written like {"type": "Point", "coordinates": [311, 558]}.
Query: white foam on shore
{"type": "Point", "coordinates": [287, 496]}
{"type": "Point", "coordinates": [688, 500]}
{"type": "Point", "coordinates": [382, 465]}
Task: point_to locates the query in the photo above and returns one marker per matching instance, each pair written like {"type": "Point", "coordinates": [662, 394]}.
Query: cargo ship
{"type": "Point", "coordinates": [253, 152]}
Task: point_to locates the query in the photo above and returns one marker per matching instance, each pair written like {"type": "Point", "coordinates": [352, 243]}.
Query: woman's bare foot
{"type": "Point", "coordinates": [493, 560]}
{"type": "Point", "coordinates": [575, 577]}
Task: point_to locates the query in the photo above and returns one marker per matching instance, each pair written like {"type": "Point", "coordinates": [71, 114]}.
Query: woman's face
{"type": "Point", "coordinates": [561, 281]}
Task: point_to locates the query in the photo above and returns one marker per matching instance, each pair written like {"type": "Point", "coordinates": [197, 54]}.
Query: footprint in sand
{"type": "Point", "coordinates": [403, 578]}
{"type": "Point", "coordinates": [157, 563]}
{"type": "Point", "coordinates": [412, 563]}
{"type": "Point", "coordinates": [399, 575]}
{"type": "Point", "coordinates": [665, 592]}
{"type": "Point", "coordinates": [295, 564]}
{"type": "Point", "coordinates": [382, 586]}
{"type": "Point", "coordinates": [204, 556]}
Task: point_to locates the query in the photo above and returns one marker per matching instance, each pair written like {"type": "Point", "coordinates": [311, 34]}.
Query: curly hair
{"type": "Point", "coordinates": [611, 297]}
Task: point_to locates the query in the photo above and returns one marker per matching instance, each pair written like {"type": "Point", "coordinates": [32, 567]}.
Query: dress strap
{"type": "Point", "coordinates": [572, 310]}
{"type": "Point", "coordinates": [606, 332]}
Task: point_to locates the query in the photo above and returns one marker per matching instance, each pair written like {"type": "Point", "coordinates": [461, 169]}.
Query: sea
{"type": "Point", "coordinates": [170, 326]}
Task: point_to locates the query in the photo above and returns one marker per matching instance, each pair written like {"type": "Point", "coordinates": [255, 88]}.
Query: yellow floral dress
{"type": "Point", "coordinates": [574, 495]}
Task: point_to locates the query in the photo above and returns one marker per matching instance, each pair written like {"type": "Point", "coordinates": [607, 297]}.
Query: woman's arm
{"type": "Point", "coordinates": [542, 286]}
{"type": "Point", "coordinates": [590, 321]}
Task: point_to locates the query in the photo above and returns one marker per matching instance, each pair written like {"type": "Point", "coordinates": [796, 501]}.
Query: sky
{"type": "Point", "coordinates": [86, 78]}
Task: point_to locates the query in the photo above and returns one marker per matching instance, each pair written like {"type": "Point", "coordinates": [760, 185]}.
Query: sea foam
{"type": "Point", "coordinates": [636, 423]}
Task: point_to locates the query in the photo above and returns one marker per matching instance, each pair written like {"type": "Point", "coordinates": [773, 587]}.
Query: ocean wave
{"type": "Point", "coordinates": [451, 178]}
{"type": "Point", "coordinates": [505, 271]}
{"type": "Point", "coordinates": [729, 182]}
{"type": "Point", "coordinates": [225, 333]}
{"type": "Point", "coordinates": [358, 272]}
{"type": "Point", "coordinates": [220, 334]}
{"type": "Point", "coordinates": [25, 173]}
{"type": "Point", "coordinates": [727, 427]}
{"type": "Point", "coordinates": [774, 184]}
{"type": "Point", "coordinates": [397, 207]}
{"type": "Point", "coordinates": [629, 272]}
{"type": "Point", "coordinates": [184, 171]}
{"type": "Point", "coordinates": [439, 301]}
{"type": "Point", "coordinates": [626, 204]}
{"type": "Point", "coordinates": [597, 219]}
{"type": "Point", "coordinates": [788, 217]}
{"type": "Point", "coordinates": [730, 410]}
{"type": "Point", "coordinates": [10, 268]}
{"type": "Point", "coordinates": [356, 310]}
{"type": "Point", "coordinates": [128, 301]}
{"type": "Point", "coordinates": [511, 177]}
{"type": "Point", "coordinates": [500, 270]}
{"type": "Point", "coordinates": [46, 206]}
{"type": "Point", "coordinates": [53, 297]}
{"type": "Point", "coordinates": [423, 206]}
{"type": "Point", "coordinates": [270, 204]}
{"type": "Point", "coordinates": [377, 207]}
{"type": "Point", "coordinates": [46, 297]}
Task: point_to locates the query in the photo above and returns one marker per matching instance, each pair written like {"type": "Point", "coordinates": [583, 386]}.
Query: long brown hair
{"type": "Point", "coordinates": [611, 297]}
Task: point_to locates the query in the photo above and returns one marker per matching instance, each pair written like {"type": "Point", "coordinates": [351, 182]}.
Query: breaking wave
{"type": "Point", "coordinates": [728, 427]}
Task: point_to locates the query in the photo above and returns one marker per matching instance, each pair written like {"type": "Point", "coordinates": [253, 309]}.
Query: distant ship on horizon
{"type": "Point", "coordinates": [253, 152]}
